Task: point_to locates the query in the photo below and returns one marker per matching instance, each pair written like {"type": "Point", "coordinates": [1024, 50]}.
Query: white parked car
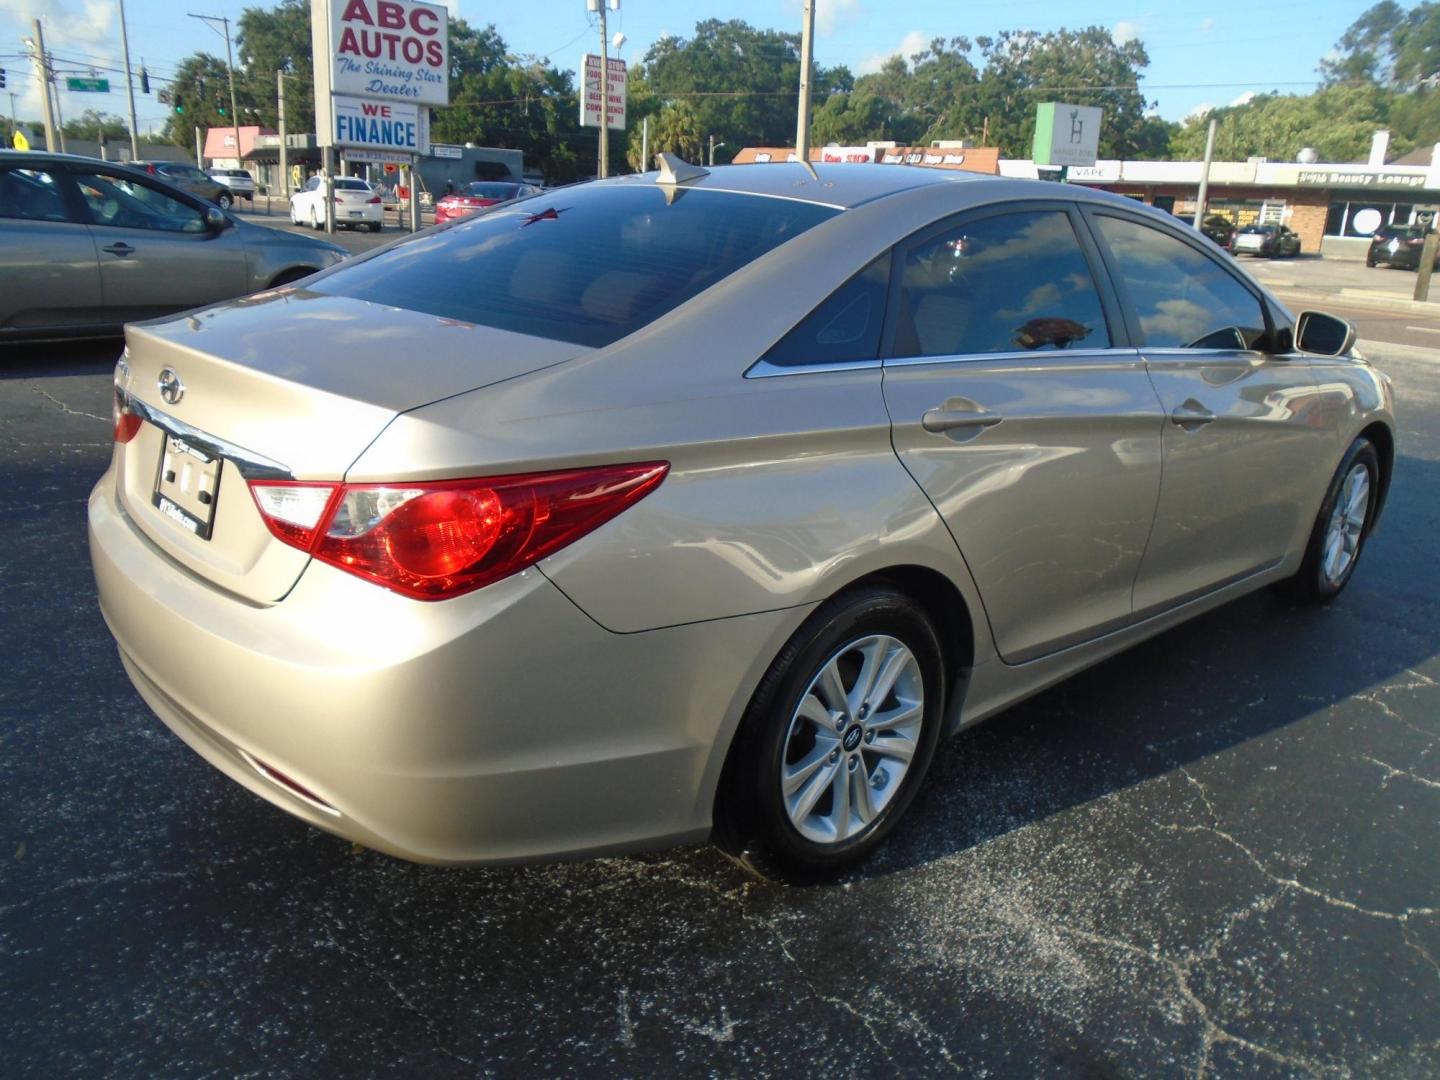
{"type": "Point", "coordinates": [356, 204]}
{"type": "Point", "coordinates": [240, 182]}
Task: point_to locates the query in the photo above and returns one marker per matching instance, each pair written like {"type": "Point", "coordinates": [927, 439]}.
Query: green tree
{"type": "Point", "coordinates": [92, 123]}
{"type": "Point", "coordinates": [1337, 121]}
{"type": "Point", "coordinates": [274, 40]}
{"type": "Point", "coordinates": [674, 129]}
{"type": "Point", "coordinates": [200, 96]}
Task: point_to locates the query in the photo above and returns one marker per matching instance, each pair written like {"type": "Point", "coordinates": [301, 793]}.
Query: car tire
{"type": "Point", "coordinates": [315, 222]}
{"type": "Point", "coordinates": [1370, 262]}
{"type": "Point", "coordinates": [1341, 528]}
{"type": "Point", "coordinates": [224, 200]}
{"type": "Point", "coordinates": [374, 226]}
{"type": "Point", "coordinates": [807, 729]}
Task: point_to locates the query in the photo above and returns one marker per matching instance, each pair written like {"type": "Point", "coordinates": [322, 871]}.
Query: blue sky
{"type": "Point", "coordinates": [1209, 53]}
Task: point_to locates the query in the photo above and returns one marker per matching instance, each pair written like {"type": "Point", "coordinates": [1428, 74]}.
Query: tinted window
{"type": "Point", "coordinates": [1183, 298]}
{"type": "Point", "coordinates": [345, 184]}
{"type": "Point", "coordinates": [122, 201]}
{"type": "Point", "coordinates": [845, 327]}
{"type": "Point", "coordinates": [1012, 283]}
{"type": "Point", "coordinates": [589, 264]}
{"type": "Point", "coordinates": [30, 194]}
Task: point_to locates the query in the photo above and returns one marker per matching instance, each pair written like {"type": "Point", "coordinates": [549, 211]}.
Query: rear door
{"type": "Point", "coordinates": [157, 255]}
{"type": "Point", "coordinates": [1020, 410]}
{"type": "Point", "coordinates": [1244, 427]}
{"type": "Point", "coordinates": [47, 255]}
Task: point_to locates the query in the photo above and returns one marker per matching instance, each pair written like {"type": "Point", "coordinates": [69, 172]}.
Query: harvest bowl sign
{"type": "Point", "coordinates": [384, 49]}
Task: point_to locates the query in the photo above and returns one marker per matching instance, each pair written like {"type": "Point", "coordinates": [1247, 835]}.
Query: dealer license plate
{"type": "Point", "coordinates": [187, 486]}
{"type": "Point", "coordinates": [361, 213]}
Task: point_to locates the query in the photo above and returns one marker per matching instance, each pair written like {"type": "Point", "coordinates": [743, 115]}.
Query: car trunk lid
{"type": "Point", "coordinates": [283, 383]}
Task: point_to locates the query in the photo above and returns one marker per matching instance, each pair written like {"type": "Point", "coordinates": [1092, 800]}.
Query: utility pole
{"type": "Point", "coordinates": [224, 20]}
{"type": "Point", "coordinates": [644, 140]}
{"type": "Point", "coordinates": [1427, 263]}
{"type": "Point", "coordinates": [604, 169]}
{"type": "Point", "coordinates": [129, 87]}
{"type": "Point", "coordinates": [807, 57]}
{"type": "Point", "coordinates": [199, 149]}
{"type": "Point", "coordinates": [14, 123]}
{"type": "Point", "coordinates": [42, 72]}
{"type": "Point", "coordinates": [1204, 192]}
{"type": "Point", "coordinates": [284, 155]}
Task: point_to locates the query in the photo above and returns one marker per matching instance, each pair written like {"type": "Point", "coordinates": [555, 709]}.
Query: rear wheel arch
{"type": "Point", "coordinates": [291, 275]}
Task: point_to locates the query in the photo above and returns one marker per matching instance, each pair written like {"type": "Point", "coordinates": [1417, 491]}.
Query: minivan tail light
{"type": "Point", "coordinates": [432, 540]}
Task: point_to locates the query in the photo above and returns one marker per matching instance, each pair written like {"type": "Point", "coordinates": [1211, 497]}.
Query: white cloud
{"type": "Point", "coordinates": [831, 13]}
{"type": "Point", "coordinates": [1199, 112]}
{"type": "Point", "coordinates": [1126, 30]}
{"type": "Point", "coordinates": [913, 42]}
{"type": "Point", "coordinates": [1206, 25]}
{"type": "Point", "coordinates": [1244, 99]}
{"type": "Point", "coordinates": [68, 24]}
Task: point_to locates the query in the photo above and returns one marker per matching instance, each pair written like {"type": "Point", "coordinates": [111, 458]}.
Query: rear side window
{"type": "Point", "coordinates": [845, 327]}
{"type": "Point", "coordinates": [1183, 298]}
{"type": "Point", "coordinates": [588, 265]}
{"type": "Point", "coordinates": [1015, 282]}
{"type": "Point", "coordinates": [30, 194]}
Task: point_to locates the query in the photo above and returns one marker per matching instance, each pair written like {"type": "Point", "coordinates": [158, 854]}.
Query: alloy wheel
{"type": "Point", "coordinates": [1347, 525]}
{"type": "Point", "coordinates": [852, 739]}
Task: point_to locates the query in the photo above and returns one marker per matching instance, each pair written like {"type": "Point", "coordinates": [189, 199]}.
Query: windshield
{"type": "Point", "coordinates": [343, 184]}
{"type": "Point", "coordinates": [589, 264]}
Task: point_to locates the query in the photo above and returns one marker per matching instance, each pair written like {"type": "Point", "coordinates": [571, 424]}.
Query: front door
{"type": "Point", "coordinates": [1035, 438]}
{"type": "Point", "coordinates": [1244, 427]}
{"type": "Point", "coordinates": [157, 255]}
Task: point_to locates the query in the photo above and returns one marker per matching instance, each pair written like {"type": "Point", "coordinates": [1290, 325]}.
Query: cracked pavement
{"type": "Point", "coordinates": [1213, 855]}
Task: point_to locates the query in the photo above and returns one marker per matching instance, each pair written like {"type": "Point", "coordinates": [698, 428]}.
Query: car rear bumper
{"type": "Point", "coordinates": [503, 725]}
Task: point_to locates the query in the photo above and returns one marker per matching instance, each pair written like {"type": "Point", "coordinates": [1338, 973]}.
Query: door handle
{"type": "Point", "coordinates": [942, 420]}
{"type": "Point", "coordinates": [122, 249]}
{"type": "Point", "coordinates": [1191, 415]}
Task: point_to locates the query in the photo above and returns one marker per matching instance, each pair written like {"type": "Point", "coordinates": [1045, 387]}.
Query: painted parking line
{"type": "Point", "coordinates": [1422, 329]}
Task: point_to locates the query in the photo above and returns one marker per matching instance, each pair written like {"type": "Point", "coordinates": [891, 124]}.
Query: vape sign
{"type": "Point", "coordinates": [394, 49]}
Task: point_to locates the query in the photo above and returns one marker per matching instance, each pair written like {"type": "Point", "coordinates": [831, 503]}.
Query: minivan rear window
{"type": "Point", "coordinates": [588, 264]}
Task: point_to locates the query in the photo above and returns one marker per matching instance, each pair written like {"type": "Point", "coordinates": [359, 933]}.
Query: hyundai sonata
{"type": "Point", "coordinates": [704, 504]}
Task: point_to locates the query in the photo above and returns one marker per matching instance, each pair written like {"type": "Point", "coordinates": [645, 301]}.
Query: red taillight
{"type": "Point", "coordinates": [437, 539]}
{"type": "Point", "coordinates": [127, 425]}
{"type": "Point", "coordinates": [373, 200]}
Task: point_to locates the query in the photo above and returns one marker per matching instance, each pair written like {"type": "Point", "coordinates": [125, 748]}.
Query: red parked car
{"type": "Point", "coordinates": [477, 195]}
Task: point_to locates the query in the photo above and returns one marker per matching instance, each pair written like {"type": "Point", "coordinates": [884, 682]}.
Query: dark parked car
{"type": "Point", "coordinates": [1219, 229]}
{"type": "Point", "coordinates": [189, 178]}
{"type": "Point", "coordinates": [87, 245]}
{"type": "Point", "coordinates": [1272, 241]}
{"type": "Point", "coordinates": [1397, 245]}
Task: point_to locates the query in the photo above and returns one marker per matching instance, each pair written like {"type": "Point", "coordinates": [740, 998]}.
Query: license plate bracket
{"type": "Point", "coordinates": [187, 486]}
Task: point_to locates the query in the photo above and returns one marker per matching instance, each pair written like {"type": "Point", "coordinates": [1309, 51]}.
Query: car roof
{"type": "Point", "coordinates": [844, 186]}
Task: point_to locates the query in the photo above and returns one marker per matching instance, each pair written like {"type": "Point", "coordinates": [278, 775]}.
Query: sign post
{"type": "Point", "coordinates": [379, 65]}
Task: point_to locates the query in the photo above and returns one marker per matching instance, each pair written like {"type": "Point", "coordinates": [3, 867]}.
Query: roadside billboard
{"type": "Point", "coordinates": [380, 125]}
{"type": "Point", "coordinates": [590, 92]}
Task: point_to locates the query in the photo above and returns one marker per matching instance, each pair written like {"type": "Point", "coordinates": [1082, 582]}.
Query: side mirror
{"type": "Point", "coordinates": [1324, 335]}
{"type": "Point", "coordinates": [215, 219]}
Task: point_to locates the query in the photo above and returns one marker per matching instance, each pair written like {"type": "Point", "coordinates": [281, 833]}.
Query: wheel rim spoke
{"type": "Point", "coordinates": [820, 781]}
{"type": "Point", "coordinates": [864, 804]}
{"type": "Point", "coordinates": [801, 771]}
{"type": "Point", "coordinates": [908, 712]}
{"type": "Point", "coordinates": [840, 811]}
{"type": "Point", "coordinates": [831, 687]}
{"type": "Point", "coordinates": [893, 745]}
{"type": "Point", "coordinates": [813, 710]}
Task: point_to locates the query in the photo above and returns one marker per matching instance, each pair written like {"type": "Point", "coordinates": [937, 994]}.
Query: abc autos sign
{"type": "Point", "coordinates": [388, 49]}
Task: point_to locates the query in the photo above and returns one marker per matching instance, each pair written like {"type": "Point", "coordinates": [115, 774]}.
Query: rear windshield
{"type": "Point", "coordinates": [588, 264]}
{"type": "Point", "coordinates": [351, 185]}
{"type": "Point", "coordinates": [1258, 229]}
{"type": "Point", "coordinates": [482, 190]}
{"type": "Point", "coordinates": [1391, 232]}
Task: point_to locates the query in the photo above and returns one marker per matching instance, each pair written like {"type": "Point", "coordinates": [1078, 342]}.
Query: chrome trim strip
{"type": "Point", "coordinates": [252, 466]}
{"type": "Point", "coordinates": [1053, 355]}
{"type": "Point", "coordinates": [763, 369]}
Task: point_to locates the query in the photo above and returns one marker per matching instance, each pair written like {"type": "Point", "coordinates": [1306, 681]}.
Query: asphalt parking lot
{"type": "Point", "coordinates": [1213, 854]}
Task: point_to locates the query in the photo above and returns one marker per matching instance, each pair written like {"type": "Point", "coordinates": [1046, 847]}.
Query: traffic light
{"type": "Point", "coordinates": [2, 78]}
{"type": "Point", "coordinates": [144, 80]}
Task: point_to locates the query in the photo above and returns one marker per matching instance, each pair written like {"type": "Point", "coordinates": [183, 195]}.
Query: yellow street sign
{"type": "Point", "coordinates": [21, 143]}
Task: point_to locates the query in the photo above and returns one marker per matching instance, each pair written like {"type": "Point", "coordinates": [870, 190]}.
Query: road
{"type": "Point", "coordinates": [1215, 853]}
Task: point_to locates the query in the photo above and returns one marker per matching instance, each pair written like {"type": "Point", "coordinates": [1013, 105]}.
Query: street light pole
{"type": "Point", "coordinates": [224, 20]}
{"type": "Point", "coordinates": [604, 164]}
{"type": "Point", "coordinates": [42, 70]}
{"type": "Point", "coordinates": [807, 55]}
{"type": "Point", "coordinates": [129, 87]}
{"type": "Point", "coordinates": [284, 156]}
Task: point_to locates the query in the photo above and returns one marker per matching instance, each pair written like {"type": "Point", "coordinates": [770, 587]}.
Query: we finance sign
{"type": "Point", "coordinates": [381, 125]}
{"type": "Point", "coordinates": [386, 49]}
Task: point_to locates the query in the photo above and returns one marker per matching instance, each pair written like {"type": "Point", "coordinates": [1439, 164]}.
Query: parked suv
{"type": "Point", "coordinates": [240, 182]}
{"type": "Point", "coordinates": [189, 178]}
